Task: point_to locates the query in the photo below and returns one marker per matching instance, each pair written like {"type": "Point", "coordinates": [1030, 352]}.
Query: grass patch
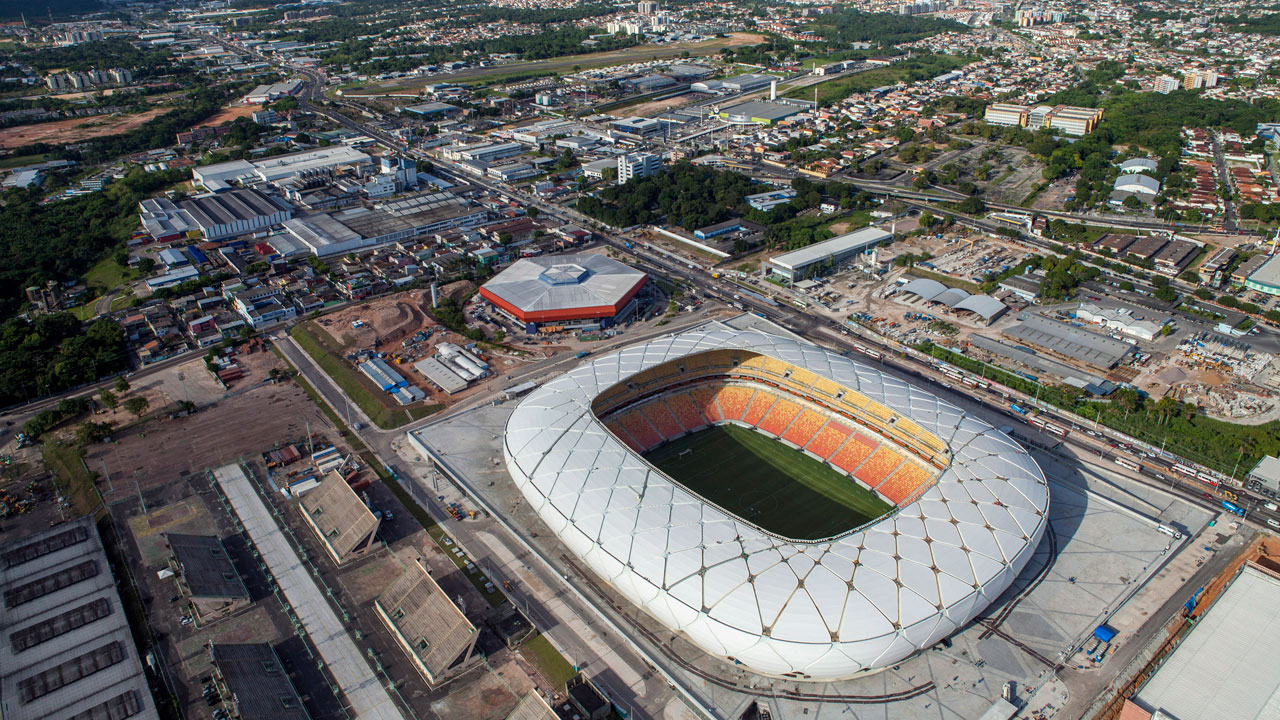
{"type": "Point", "coordinates": [21, 160]}
{"type": "Point", "coordinates": [767, 483]}
{"type": "Point", "coordinates": [842, 86]}
{"type": "Point", "coordinates": [108, 275]}
{"type": "Point", "coordinates": [73, 479]}
{"type": "Point", "coordinates": [494, 598]}
{"type": "Point", "coordinates": [548, 660]}
{"type": "Point", "coordinates": [356, 386]}
{"type": "Point", "coordinates": [85, 312]}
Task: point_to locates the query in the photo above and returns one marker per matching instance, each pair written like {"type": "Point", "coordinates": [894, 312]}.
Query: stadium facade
{"type": "Point", "coordinates": [565, 292]}
{"type": "Point", "coordinates": [969, 505]}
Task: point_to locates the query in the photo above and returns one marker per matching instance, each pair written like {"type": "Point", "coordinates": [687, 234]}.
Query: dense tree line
{"type": "Point", "coordinates": [109, 53]}
{"type": "Point", "coordinates": [684, 194]}
{"type": "Point", "coordinates": [15, 9]}
{"type": "Point", "coordinates": [61, 240]}
{"type": "Point", "coordinates": [884, 29]}
{"type": "Point", "coordinates": [56, 352]}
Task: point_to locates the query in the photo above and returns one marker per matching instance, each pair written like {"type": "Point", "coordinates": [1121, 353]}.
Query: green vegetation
{"type": "Point", "coordinates": [317, 343]}
{"type": "Point", "coordinates": [767, 483]}
{"type": "Point", "coordinates": [108, 274]}
{"type": "Point", "coordinates": [548, 660]}
{"type": "Point", "coordinates": [54, 353]}
{"type": "Point", "coordinates": [74, 481]}
{"type": "Point", "coordinates": [909, 71]}
{"type": "Point", "coordinates": [63, 240]}
{"type": "Point", "coordinates": [1178, 427]}
{"type": "Point", "coordinates": [885, 29]}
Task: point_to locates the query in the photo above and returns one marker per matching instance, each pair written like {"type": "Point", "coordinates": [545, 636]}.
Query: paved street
{"type": "Point", "coordinates": [364, 693]}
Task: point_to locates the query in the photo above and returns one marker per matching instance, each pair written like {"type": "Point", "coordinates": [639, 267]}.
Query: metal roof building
{"type": "Point", "coordinates": [796, 264]}
{"type": "Point", "coordinates": [828, 608]}
{"type": "Point", "coordinates": [565, 291]}
{"type": "Point", "coordinates": [68, 651]}
{"type": "Point", "coordinates": [253, 683]}
{"type": "Point", "coordinates": [343, 523]}
{"type": "Point", "coordinates": [758, 112]}
{"type": "Point", "coordinates": [1226, 667]}
{"type": "Point", "coordinates": [1068, 341]}
{"type": "Point", "coordinates": [984, 306]}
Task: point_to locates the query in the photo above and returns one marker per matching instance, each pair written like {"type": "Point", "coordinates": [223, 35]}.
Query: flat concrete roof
{"type": "Point", "coordinates": [1226, 667]}
{"type": "Point", "coordinates": [1268, 273]}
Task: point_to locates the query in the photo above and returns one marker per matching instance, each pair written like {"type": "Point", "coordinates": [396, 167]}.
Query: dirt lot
{"type": "Point", "coordinates": [253, 418]}
{"type": "Point", "coordinates": [230, 113]}
{"type": "Point", "coordinates": [655, 107]}
{"type": "Point", "coordinates": [387, 323]}
{"type": "Point", "coordinates": [74, 129]}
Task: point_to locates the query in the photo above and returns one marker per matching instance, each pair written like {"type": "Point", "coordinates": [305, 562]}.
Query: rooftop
{"type": "Point", "coordinates": [206, 568]}
{"type": "Point", "coordinates": [257, 681]}
{"type": "Point", "coordinates": [1226, 667]}
{"type": "Point", "coordinates": [339, 516]}
{"type": "Point", "coordinates": [70, 651]}
{"type": "Point", "coordinates": [545, 284]}
{"type": "Point", "coordinates": [818, 252]}
{"type": "Point", "coordinates": [426, 620]}
{"type": "Point", "coordinates": [1067, 340]}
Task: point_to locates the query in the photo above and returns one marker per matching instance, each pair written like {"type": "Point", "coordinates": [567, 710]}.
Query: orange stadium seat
{"type": "Point", "coordinates": [617, 429]}
{"type": "Point", "coordinates": [733, 401]}
{"type": "Point", "coordinates": [760, 406]}
{"type": "Point", "coordinates": [666, 423]}
{"type": "Point", "coordinates": [904, 483]}
{"type": "Point", "coordinates": [878, 466]}
{"type": "Point", "coordinates": [804, 428]}
{"type": "Point", "coordinates": [779, 417]}
{"type": "Point", "coordinates": [704, 399]}
{"type": "Point", "coordinates": [640, 428]}
{"type": "Point", "coordinates": [828, 439]}
{"type": "Point", "coordinates": [685, 411]}
{"type": "Point", "coordinates": [851, 455]}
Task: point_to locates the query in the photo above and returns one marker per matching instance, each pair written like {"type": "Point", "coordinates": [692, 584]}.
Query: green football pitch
{"type": "Point", "coordinates": [767, 483]}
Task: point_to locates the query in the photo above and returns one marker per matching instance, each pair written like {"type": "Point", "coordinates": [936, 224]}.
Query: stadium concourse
{"type": "Point", "coordinates": [966, 506]}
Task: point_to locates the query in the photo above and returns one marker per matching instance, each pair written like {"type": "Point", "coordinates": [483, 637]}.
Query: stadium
{"type": "Point", "coordinates": [565, 292]}
{"type": "Point", "coordinates": [781, 506]}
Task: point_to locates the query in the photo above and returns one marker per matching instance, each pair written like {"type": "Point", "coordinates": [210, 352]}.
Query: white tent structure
{"type": "Point", "coordinates": [809, 610]}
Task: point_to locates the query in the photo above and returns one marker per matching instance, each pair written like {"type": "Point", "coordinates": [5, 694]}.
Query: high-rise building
{"type": "Point", "coordinates": [637, 165]}
{"type": "Point", "coordinates": [1200, 79]}
{"type": "Point", "coordinates": [647, 7]}
{"type": "Point", "coordinates": [1166, 84]}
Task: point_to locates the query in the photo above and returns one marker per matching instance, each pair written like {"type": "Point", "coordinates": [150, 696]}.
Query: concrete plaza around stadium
{"type": "Point", "coordinates": [1102, 548]}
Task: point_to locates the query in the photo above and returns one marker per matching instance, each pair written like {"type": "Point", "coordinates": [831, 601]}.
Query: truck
{"type": "Point", "coordinates": [1016, 408]}
{"type": "Point", "coordinates": [583, 354]}
{"type": "Point", "coordinates": [1232, 508]}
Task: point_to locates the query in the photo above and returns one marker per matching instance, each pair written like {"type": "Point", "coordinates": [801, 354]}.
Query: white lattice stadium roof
{"type": "Point", "coordinates": [827, 609]}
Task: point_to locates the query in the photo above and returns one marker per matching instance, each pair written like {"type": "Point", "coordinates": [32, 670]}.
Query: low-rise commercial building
{"type": "Point", "coordinates": [428, 627]}
{"type": "Point", "coordinates": [206, 576]}
{"type": "Point", "coordinates": [253, 683]}
{"type": "Point", "coordinates": [341, 521]}
{"type": "Point", "coordinates": [806, 261]}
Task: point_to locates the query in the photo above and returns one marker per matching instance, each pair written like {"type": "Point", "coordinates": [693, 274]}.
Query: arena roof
{"type": "Point", "coordinates": [826, 609]}
{"type": "Point", "coordinates": [564, 287]}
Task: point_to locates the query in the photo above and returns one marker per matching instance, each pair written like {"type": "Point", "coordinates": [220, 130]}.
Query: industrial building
{"type": "Point", "coordinates": [637, 126]}
{"type": "Point", "coordinates": [1266, 278]}
{"type": "Point", "coordinates": [206, 576]}
{"type": "Point", "coordinates": [747, 83]}
{"type": "Point", "coordinates": [1225, 667]}
{"type": "Point", "coordinates": [253, 683]}
{"type": "Point", "coordinates": [223, 176]}
{"type": "Point", "coordinates": [425, 623]}
{"type": "Point", "coordinates": [382, 374]}
{"type": "Point", "coordinates": [361, 228]}
{"type": "Point", "coordinates": [70, 653]}
{"type": "Point", "coordinates": [533, 707]}
{"type": "Point", "coordinates": [1119, 319]}
{"type": "Point", "coordinates": [273, 92]}
{"type": "Point", "coordinates": [441, 376]}
{"type": "Point", "coordinates": [213, 217]}
{"type": "Point", "coordinates": [551, 294]}
{"type": "Point", "coordinates": [1143, 187]}
{"type": "Point", "coordinates": [342, 522]}
{"type": "Point", "coordinates": [1264, 478]}
{"type": "Point", "coordinates": [1067, 341]}
{"type": "Point", "coordinates": [806, 261]}
{"type": "Point", "coordinates": [932, 291]}
{"type": "Point", "coordinates": [758, 112]}
{"type": "Point", "coordinates": [1138, 165]}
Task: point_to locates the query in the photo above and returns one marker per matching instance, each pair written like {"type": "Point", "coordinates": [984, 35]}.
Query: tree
{"type": "Point", "coordinates": [121, 385]}
{"type": "Point", "coordinates": [109, 399]}
{"type": "Point", "coordinates": [927, 220]}
{"type": "Point", "coordinates": [91, 432]}
{"type": "Point", "coordinates": [532, 211]}
{"type": "Point", "coordinates": [137, 405]}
